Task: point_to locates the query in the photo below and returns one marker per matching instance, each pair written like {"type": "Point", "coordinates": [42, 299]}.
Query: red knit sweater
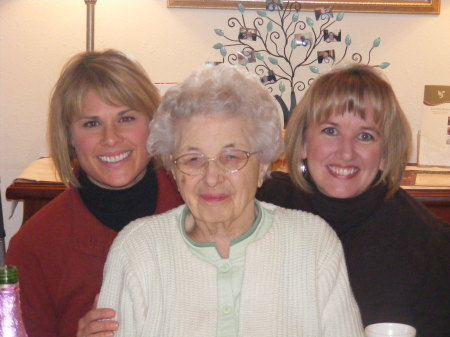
{"type": "Point", "coordinates": [60, 253]}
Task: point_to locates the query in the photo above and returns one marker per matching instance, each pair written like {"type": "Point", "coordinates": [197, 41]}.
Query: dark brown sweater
{"type": "Point", "coordinates": [397, 252]}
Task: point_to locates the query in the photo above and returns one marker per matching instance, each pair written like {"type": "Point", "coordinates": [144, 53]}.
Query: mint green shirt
{"type": "Point", "coordinates": [230, 271]}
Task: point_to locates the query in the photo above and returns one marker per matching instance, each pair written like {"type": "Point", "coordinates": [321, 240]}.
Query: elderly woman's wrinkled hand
{"type": "Point", "coordinates": [97, 323]}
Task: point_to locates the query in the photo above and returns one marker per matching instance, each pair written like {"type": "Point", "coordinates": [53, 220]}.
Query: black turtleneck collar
{"type": "Point", "coordinates": [116, 208]}
{"type": "Point", "coordinates": [341, 214]}
{"type": "Point", "coordinates": [345, 214]}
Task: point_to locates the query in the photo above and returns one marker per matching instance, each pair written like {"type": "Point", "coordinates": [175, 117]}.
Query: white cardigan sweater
{"type": "Point", "coordinates": [295, 281]}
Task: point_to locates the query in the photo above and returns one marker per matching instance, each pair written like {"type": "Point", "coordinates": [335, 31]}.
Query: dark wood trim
{"type": "Point", "coordinates": [35, 195]}
{"type": "Point", "coordinates": [23, 190]}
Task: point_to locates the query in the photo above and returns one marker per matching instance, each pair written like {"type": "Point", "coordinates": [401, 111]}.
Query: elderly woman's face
{"type": "Point", "coordinates": [110, 143]}
{"type": "Point", "coordinates": [344, 154]}
{"type": "Point", "coordinates": [217, 196]}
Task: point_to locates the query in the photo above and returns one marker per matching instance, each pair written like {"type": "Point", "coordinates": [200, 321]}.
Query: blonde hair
{"type": "Point", "coordinates": [115, 78]}
{"type": "Point", "coordinates": [352, 89]}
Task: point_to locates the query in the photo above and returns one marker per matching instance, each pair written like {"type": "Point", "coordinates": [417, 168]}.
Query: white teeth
{"type": "Point", "coordinates": [343, 171]}
{"type": "Point", "coordinates": [114, 159]}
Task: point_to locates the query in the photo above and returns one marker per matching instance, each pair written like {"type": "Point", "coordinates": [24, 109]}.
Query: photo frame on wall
{"type": "Point", "coordinates": [387, 6]}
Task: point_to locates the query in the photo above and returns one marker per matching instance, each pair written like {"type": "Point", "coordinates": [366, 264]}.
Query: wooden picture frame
{"type": "Point", "coordinates": [388, 6]}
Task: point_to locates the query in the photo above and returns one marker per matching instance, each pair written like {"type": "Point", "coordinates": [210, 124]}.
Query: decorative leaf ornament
{"type": "Point", "coordinates": [262, 13]}
{"type": "Point", "coordinates": [376, 43]}
{"type": "Point", "coordinates": [273, 60]}
{"type": "Point", "coordinates": [293, 44]}
{"type": "Point", "coordinates": [340, 17]}
{"type": "Point", "coordinates": [287, 47]}
{"type": "Point", "coordinates": [348, 40]}
{"type": "Point", "coordinates": [314, 69]}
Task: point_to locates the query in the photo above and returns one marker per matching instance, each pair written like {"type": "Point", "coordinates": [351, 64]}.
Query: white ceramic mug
{"type": "Point", "coordinates": [390, 330]}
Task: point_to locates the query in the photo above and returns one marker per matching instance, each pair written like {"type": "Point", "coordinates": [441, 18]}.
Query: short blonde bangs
{"type": "Point", "coordinates": [115, 78]}
{"type": "Point", "coordinates": [353, 89]}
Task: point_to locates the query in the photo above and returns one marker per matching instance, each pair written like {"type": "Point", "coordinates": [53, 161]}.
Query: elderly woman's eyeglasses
{"type": "Point", "coordinates": [230, 161]}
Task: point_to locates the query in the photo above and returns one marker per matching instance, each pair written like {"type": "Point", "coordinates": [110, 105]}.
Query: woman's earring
{"type": "Point", "coordinates": [303, 167]}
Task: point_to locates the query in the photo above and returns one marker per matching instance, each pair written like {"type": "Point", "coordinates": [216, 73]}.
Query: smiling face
{"type": "Point", "coordinates": [110, 143]}
{"type": "Point", "coordinates": [344, 154]}
{"type": "Point", "coordinates": [216, 196]}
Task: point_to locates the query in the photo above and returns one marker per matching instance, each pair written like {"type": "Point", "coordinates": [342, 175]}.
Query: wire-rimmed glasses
{"type": "Point", "coordinates": [229, 160]}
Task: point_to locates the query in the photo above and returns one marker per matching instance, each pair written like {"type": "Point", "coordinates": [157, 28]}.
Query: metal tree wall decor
{"type": "Point", "coordinates": [277, 45]}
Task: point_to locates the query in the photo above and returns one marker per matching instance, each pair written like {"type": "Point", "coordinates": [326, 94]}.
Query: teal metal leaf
{"type": "Point", "coordinates": [219, 32]}
{"type": "Point", "coordinates": [223, 51]}
{"type": "Point", "coordinates": [282, 87]}
{"type": "Point", "coordinates": [274, 61]}
{"type": "Point", "coordinates": [384, 65]}
{"type": "Point", "coordinates": [310, 22]}
{"type": "Point", "coordinates": [262, 13]}
{"type": "Point", "coordinates": [339, 17]}
{"type": "Point", "coordinates": [295, 17]}
{"type": "Point", "coordinates": [259, 56]}
{"type": "Point", "coordinates": [293, 44]}
{"type": "Point", "coordinates": [376, 43]}
{"type": "Point", "coordinates": [241, 8]}
{"type": "Point", "coordinates": [269, 27]}
{"type": "Point", "coordinates": [348, 40]}
{"type": "Point", "coordinates": [314, 69]}
{"type": "Point", "coordinates": [218, 46]}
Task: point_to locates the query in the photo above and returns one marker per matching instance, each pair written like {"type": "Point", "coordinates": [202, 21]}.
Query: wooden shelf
{"type": "Point", "coordinates": [34, 195]}
{"type": "Point", "coordinates": [37, 194]}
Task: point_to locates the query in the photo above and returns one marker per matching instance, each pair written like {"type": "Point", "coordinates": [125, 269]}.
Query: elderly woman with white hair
{"type": "Point", "coordinates": [225, 264]}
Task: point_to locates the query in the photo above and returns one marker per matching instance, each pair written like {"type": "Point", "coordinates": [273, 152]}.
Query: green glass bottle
{"type": "Point", "coordinates": [11, 323]}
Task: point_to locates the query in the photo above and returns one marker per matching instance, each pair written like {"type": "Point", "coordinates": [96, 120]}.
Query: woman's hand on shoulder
{"type": "Point", "coordinates": [97, 323]}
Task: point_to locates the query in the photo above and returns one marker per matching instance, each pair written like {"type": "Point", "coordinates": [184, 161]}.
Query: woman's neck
{"type": "Point", "coordinates": [116, 208]}
{"type": "Point", "coordinates": [220, 233]}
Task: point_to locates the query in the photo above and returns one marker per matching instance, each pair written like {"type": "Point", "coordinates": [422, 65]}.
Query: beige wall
{"type": "Point", "coordinates": [37, 36]}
